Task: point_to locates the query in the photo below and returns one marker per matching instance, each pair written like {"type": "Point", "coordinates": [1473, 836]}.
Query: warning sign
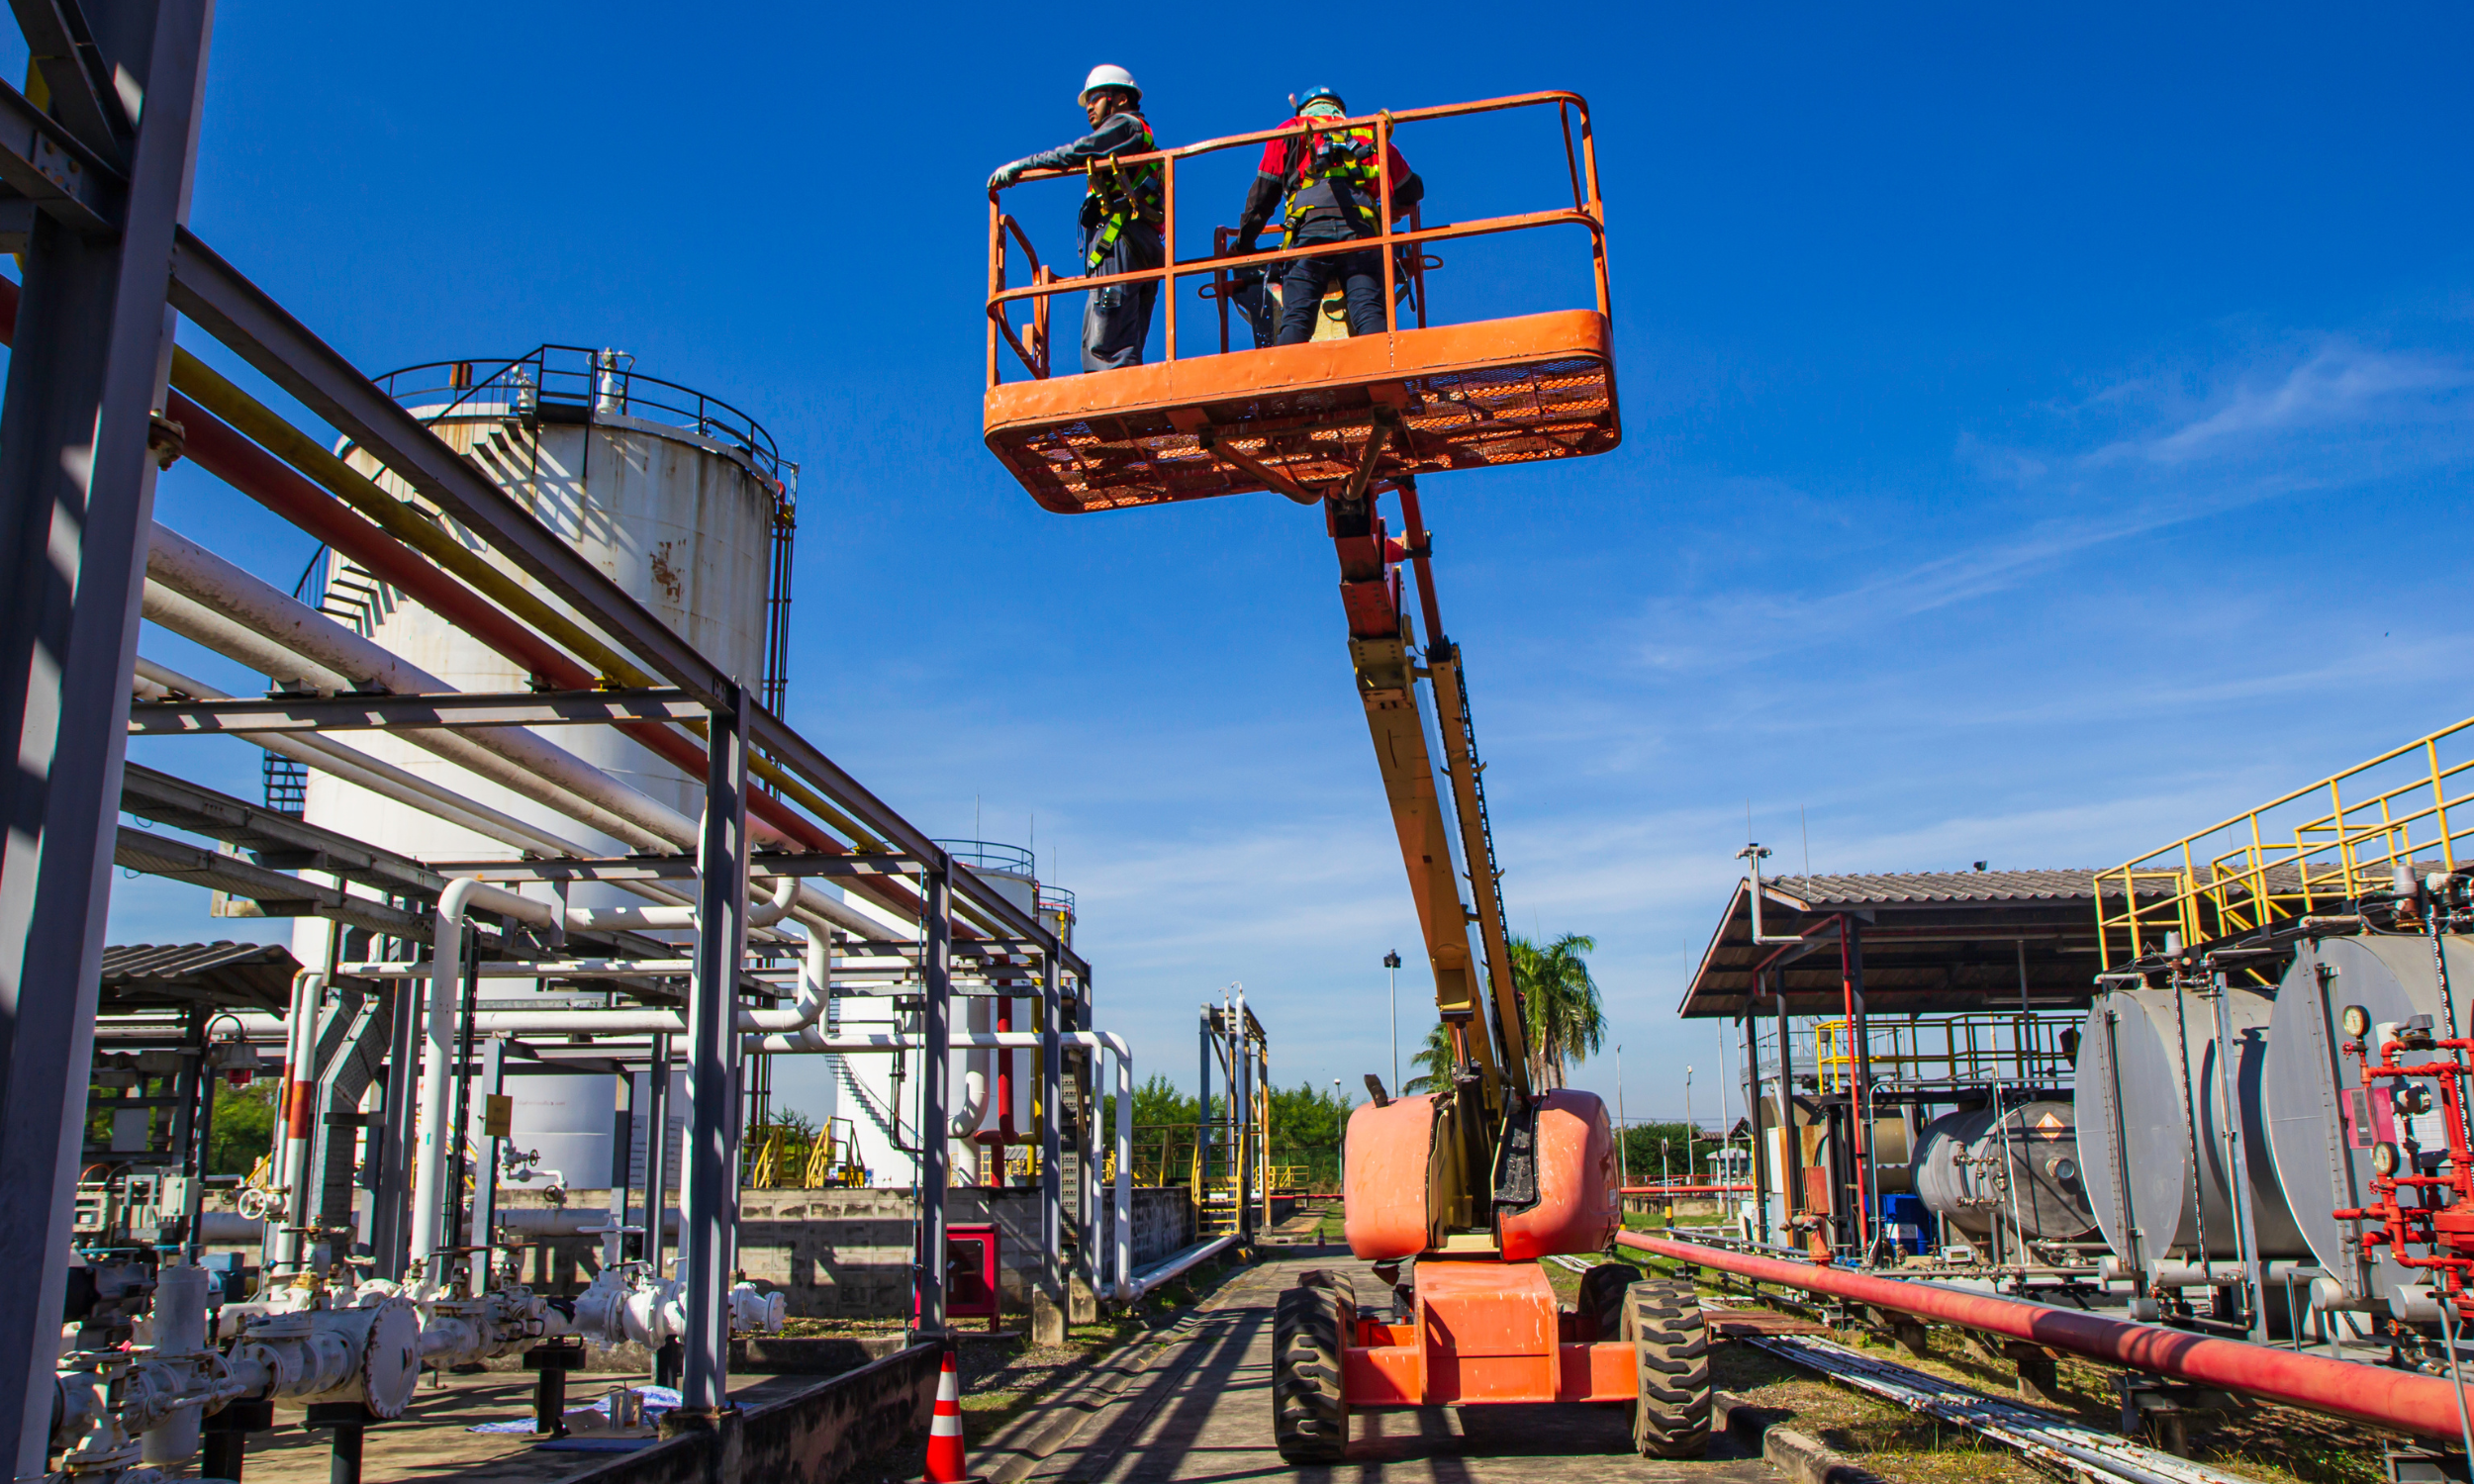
{"type": "Point", "coordinates": [2049, 1127]}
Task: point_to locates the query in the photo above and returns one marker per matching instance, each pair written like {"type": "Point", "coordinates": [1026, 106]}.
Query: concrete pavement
{"type": "Point", "coordinates": [1202, 1411]}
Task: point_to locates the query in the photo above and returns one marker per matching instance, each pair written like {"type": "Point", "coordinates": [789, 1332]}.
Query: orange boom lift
{"type": "Point", "coordinates": [1476, 1183]}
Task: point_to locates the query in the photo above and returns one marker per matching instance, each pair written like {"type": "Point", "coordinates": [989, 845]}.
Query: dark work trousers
{"type": "Point", "coordinates": [1116, 320]}
{"type": "Point", "coordinates": [1301, 291]}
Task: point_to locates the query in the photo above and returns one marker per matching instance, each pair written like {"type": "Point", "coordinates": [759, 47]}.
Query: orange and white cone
{"type": "Point", "coordinates": [945, 1449]}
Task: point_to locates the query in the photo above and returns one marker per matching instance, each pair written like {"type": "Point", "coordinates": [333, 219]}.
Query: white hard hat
{"type": "Point", "coordinates": [1109, 75]}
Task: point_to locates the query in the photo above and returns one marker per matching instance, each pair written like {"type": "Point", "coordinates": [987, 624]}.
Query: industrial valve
{"type": "Point", "coordinates": [626, 1304]}
{"type": "Point", "coordinates": [2409, 1105]}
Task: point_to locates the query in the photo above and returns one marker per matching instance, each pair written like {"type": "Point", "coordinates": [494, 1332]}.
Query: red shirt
{"type": "Point", "coordinates": [1275, 160]}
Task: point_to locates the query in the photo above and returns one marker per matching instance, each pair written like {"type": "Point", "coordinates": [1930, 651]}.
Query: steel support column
{"type": "Point", "coordinates": [1860, 1100]}
{"type": "Point", "coordinates": [1051, 1136]}
{"type": "Point", "coordinates": [1790, 1139]}
{"type": "Point", "coordinates": [92, 352]}
{"type": "Point", "coordinates": [711, 1203]}
{"type": "Point", "coordinates": [935, 1073]}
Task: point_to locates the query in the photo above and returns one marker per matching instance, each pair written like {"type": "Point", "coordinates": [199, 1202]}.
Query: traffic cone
{"type": "Point", "coordinates": [945, 1449]}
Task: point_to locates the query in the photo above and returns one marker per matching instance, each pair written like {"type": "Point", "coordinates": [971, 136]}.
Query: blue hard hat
{"type": "Point", "coordinates": [1319, 95]}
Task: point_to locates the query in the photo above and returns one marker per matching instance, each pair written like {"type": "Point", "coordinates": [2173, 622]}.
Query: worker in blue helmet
{"type": "Point", "coordinates": [1332, 184]}
{"type": "Point", "coordinates": [1122, 211]}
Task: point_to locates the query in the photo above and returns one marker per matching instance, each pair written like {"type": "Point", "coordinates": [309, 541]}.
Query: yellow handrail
{"type": "Point", "coordinates": [2298, 854]}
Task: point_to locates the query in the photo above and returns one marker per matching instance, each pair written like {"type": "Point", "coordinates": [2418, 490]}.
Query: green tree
{"type": "Point", "coordinates": [1567, 1022]}
{"type": "Point", "coordinates": [245, 1126]}
{"type": "Point", "coordinates": [1686, 1153]}
{"type": "Point", "coordinates": [1434, 1061]}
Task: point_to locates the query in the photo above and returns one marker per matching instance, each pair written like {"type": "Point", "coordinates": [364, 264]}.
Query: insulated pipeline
{"type": "Point", "coordinates": [2426, 1405]}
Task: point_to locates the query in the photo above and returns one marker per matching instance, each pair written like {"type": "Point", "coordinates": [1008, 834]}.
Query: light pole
{"type": "Point", "coordinates": [1391, 967]}
{"type": "Point", "coordinates": [1688, 1125]}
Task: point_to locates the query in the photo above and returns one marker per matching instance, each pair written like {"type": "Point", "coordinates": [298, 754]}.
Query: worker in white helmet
{"type": "Point", "coordinates": [1121, 215]}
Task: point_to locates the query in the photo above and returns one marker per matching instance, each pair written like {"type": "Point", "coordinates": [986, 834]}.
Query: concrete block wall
{"type": "Point", "coordinates": [845, 1254]}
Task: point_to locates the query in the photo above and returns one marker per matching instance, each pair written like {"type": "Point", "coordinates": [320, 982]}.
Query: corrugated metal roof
{"type": "Point", "coordinates": [1884, 887]}
{"type": "Point", "coordinates": [238, 975]}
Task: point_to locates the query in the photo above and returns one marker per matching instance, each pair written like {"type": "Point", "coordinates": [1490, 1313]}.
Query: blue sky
{"type": "Point", "coordinates": [2045, 434]}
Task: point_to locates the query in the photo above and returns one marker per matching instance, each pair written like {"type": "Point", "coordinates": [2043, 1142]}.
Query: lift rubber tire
{"type": "Point", "coordinates": [1671, 1367]}
{"type": "Point", "coordinates": [1601, 1302]}
{"type": "Point", "coordinates": [1309, 1411]}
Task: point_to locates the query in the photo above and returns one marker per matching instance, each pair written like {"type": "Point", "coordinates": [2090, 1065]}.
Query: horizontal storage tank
{"type": "Point", "coordinates": [1975, 1167]}
{"type": "Point", "coordinates": [2138, 1051]}
{"type": "Point", "coordinates": [2320, 1125]}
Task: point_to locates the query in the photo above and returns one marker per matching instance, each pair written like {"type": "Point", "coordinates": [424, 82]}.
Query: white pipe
{"type": "Point", "coordinates": [544, 785]}
{"type": "Point", "coordinates": [966, 1120]}
{"type": "Point", "coordinates": [1171, 1266]}
{"type": "Point", "coordinates": [637, 919]}
{"type": "Point", "coordinates": [228, 592]}
{"type": "Point", "coordinates": [807, 1006]}
{"type": "Point", "coordinates": [446, 958]}
{"type": "Point", "coordinates": [162, 683]}
{"type": "Point", "coordinates": [300, 1085]}
{"type": "Point", "coordinates": [191, 591]}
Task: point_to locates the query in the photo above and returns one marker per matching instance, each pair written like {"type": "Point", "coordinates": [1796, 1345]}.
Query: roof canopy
{"type": "Point", "coordinates": [1933, 942]}
{"type": "Point", "coordinates": [223, 975]}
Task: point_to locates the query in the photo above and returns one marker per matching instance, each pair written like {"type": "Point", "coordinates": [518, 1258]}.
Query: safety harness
{"type": "Point", "coordinates": [1334, 169]}
{"type": "Point", "coordinates": [1124, 195]}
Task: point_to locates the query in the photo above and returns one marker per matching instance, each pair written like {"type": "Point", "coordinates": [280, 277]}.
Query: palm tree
{"type": "Point", "coordinates": [1435, 1057]}
{"type": "Point", "coordinates": [1559, 1000]}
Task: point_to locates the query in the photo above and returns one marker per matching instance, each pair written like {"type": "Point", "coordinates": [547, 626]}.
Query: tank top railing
{"type": "Point", "coordinates": [1031, 343]}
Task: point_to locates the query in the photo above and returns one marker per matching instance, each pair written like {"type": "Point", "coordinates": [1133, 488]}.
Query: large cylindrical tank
{"type": "Point", "coordinates": [2135, 1051]}
{"type": "Point", "coordinates": [1975, 1167]}
{"type": "Point", "coordinates": [680, 519]}
{"type": "Point", "coordinates": [2320, 1125]}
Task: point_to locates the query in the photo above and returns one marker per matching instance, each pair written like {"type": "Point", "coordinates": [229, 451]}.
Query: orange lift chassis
{"type": "Point", "coordinates": [1455, 1195]}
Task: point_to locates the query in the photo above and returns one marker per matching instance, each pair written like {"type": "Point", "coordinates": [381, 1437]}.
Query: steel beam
{"type": "Point", "coordinates": [354, 712]}
{"type": "Point", "coordinates": [92, 350]}
{"type": "Point", "coordinates": [279, 894]}
{"type": "Point", "coordinates": [237, 312]}
{"type": "Point", "coordinates": [85, 97]}
{"type": "Point", "coordinates": [710, 1208]}
{"type": "Point", "coordinates": [935, 1073]}
{"type": "Point", "coordinates": [1051, 1138]}
{"type": "Point", "coordinates": [46, 164]}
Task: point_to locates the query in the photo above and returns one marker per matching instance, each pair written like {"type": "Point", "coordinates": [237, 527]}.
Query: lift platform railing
{"type": "Point", "coordinates": [2303, 853]}
{"type": "Point", "coordinates": [1586, 211]}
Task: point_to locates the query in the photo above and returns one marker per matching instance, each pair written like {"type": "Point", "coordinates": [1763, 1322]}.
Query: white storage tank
{"type": "Point", "coordinates": [678, 496]}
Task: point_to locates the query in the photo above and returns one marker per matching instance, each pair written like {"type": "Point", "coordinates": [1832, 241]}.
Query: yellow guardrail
{"type": "Point", "coordinates": [2301, 853]}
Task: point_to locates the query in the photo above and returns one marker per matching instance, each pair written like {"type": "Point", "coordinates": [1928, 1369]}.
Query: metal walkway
{"type": "Point", "coordinates": [2051, 1440]}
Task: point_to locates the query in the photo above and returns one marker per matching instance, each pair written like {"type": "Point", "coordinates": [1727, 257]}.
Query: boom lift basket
{"type": "Point", "coordinates": [1293, 417]}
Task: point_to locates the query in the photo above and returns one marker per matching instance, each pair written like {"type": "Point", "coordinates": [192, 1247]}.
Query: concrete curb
{"type": "Point", "coordinates": [1801, 1456]}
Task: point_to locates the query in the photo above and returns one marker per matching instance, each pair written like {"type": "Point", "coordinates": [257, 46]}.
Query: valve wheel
{"type": "Point", "coordinates": [1670, 1365]}
{"type": "Point", "coordinates": [1601, 1301]}
{"type": "Point", "coordinates": [1310, 1409]}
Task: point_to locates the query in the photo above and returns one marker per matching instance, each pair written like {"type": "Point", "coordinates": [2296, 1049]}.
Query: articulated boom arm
{"type": "Point", "coordinates": [1426, 748]}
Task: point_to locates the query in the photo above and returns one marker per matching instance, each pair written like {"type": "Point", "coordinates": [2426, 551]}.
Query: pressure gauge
{"type": "Point", "coordinates": [2384, 1158]}
{"type": "Point", "coordinates": [2356, 1020]}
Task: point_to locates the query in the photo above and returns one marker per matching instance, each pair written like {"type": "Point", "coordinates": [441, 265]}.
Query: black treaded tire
{"type": "Point", "coordinates": [1601, 1301]}
{"type": "Point", "coordinates": [1671, 1369]}
{"type": "Point", "coordinates": [1310, 1409]}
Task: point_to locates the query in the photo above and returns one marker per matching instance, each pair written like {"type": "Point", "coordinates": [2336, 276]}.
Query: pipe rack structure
{"type": "Point", "coordinates": [94, 193]}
